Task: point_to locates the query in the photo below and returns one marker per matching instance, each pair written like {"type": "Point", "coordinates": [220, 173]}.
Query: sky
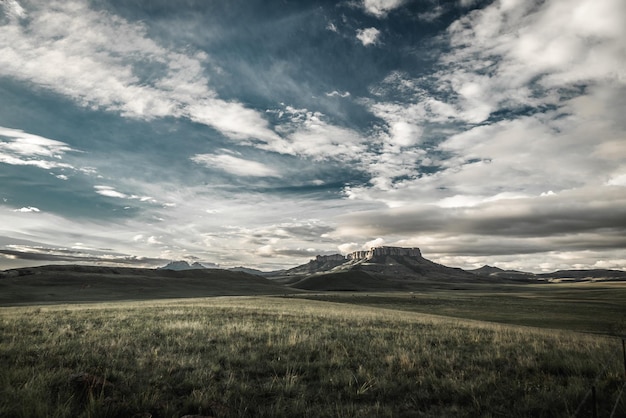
{"type": "Point", "coordinates": [264, 132]}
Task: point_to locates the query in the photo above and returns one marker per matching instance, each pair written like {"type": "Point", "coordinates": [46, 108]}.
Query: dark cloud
{"type": "Point", "coordinates": [575, 220]}
{"type": "Point", "coordinates": [59, 255]}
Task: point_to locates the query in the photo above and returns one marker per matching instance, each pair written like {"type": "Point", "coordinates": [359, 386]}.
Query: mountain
{"type": "Point", "coordinates": [321, 263]}
{"type": "Point", "coordinates": [380, 268]}
{"type": "Point", "coordinates": [183, 265]}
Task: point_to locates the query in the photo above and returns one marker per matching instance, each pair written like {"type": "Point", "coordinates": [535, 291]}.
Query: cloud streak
{"type": "Point", "coordinates": [20, 148]}
{"type": "Point", "coordinates": [235, 165]}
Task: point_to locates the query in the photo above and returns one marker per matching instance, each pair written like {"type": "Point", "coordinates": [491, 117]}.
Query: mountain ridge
{"type": "Point", "coordinates": [379, 269]}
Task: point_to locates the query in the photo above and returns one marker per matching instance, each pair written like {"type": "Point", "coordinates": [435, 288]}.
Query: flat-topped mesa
{"type": "Point", "coordinates": [384, 251]}
{"type": "Point", "coordinates": [332, 257]}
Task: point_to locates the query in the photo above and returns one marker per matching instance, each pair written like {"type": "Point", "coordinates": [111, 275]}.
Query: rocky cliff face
{"type": "Point", "coordinates": [321, 263]}
{"type": "Point", "coordinates": [329, 258]}
{"type": "Point", "coordinates": [384, 251]}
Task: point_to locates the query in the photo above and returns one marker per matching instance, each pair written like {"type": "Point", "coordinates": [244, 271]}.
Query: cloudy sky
{"type": "Point", "coordinates": [262, 133]}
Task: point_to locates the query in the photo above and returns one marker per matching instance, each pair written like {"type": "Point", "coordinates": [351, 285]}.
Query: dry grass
{"type": "Point", "coordinates": [262, 356]}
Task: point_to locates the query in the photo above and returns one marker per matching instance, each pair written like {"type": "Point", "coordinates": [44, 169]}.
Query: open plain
{"type": "Point", "coordinates": [434, 353]}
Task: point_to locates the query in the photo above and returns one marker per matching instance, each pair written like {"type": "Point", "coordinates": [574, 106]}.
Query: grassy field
{"type": "Point", "coordinates": [264, 356]}
{"type": "Point", "coordinates": [598, 308]}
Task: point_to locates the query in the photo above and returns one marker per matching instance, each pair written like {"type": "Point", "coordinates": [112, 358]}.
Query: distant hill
{"type": "Point", "coordinates": [490, 271]}
{"type": "Point", "coordinates": [557, 276]}
{"type": "Point", "coordinates": [584, 275]}
{"type": "Point", "coordinates": [183, 265]}
{"type": "Point", "coordinates": [72, 283]}
{"type": "Point", "coordinates": [254, 271]}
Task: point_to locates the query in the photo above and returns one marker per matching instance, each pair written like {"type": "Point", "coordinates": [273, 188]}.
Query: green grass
{"type": "Point", "coordinates": [598, 308]}
{"type": "Point", "coordinates": [262, 356]}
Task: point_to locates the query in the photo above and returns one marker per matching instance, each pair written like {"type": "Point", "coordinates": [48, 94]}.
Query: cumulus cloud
{"type": "Point", "coordinates": [505, 110]}
{"type": "Point", "coordinates": [511, 45]}
{"type": "Point", "coordinates": [235, 165]}
{"type": "Point", "coordinates": [100, 60]}
{"type": "Point", "coordinates": [309, 134]}
{"type": "Point", "coordinates": [368, 36]}
{"type": "Point", "coordinates": [380, 8]}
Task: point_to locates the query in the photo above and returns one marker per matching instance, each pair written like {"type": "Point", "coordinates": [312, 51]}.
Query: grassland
{"type": "Point", "coordinates": [597, 308]}
{"type": "Point", "coordinates": [264, 356]}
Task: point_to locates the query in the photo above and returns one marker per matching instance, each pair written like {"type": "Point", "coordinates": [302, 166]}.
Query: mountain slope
{"type": "Point", "coordinates": [379, 269]}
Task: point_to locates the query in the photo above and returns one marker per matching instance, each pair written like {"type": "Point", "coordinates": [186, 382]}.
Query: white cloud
{"type": "Point", "coordinates": [153, 241]}
{"type": "Point", "coordinates": [336, 93]}
{"type": "Point", "coordinates": [380, 8]}
{"type": "Point", "coordinates": [20, 148]}
{"type": "Point", "coordinates": [232, 119]}
{"type": "Point", "coordinates": [378, 242]}
{"type": "Point", "coordinates": [309, 134]}
{"type": "Point", "coordinates": [12, 9]}
{"type": "Point", "coordinates": [96, 59]}
{"type": "Point", "coordinates": [349, 247]}
{"type": "Point", "coordinates": [559, 42]}
{"type": "Point", "coordinates": [110, 192]}
{"type": "Point", "coordinates": [27, 209]}
{"type": "Point", "coordinates": [235, 165]}
{"type": "Point", "coordinates": [618, 180]}
{"type": "Point", "coordinates": [368, 36]}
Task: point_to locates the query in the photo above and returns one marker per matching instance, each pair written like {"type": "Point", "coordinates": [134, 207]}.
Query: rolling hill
{"type": "Point", "coordinates": [74, 283]}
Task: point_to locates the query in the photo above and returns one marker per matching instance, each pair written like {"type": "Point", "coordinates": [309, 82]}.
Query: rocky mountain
{"type": "Point", "coordinates": [391, 268]}
{"type": "Point", "coordinates": [321, 263]}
